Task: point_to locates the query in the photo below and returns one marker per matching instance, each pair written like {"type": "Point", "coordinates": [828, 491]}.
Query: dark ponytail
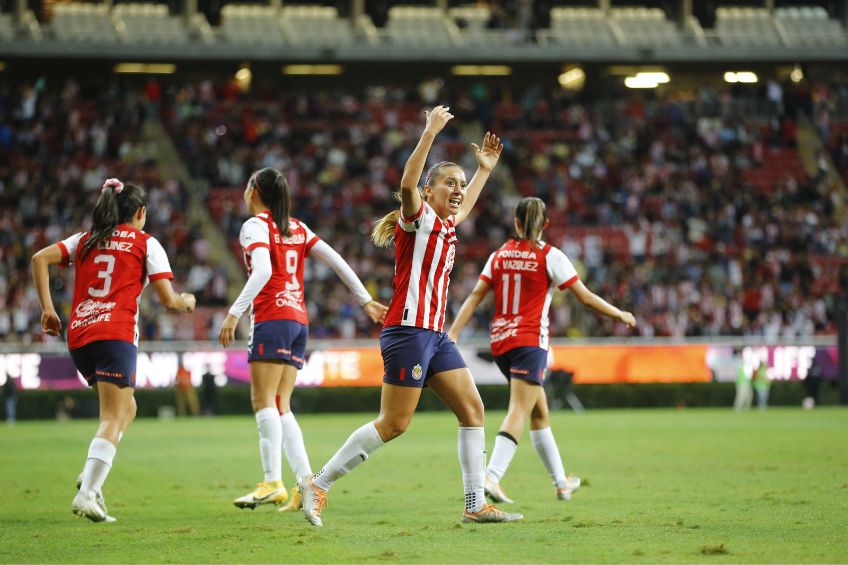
{"type": "Point", "coordinates": [531, 216]}
{"type": "Point", "coordinates": [117, 205]}
{"type": "Point", "coordinates": [274, 192]}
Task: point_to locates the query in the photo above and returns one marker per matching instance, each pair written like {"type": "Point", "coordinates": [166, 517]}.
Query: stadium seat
{"type": "Point", "coordinates": [79, 22]}
{"type": "Point", "coordinates": [809, 26]}
{"type": "Point", "coordinates": [472, 21]}
{"type": "Point", "coordinates": [316, 26]}
{"type": "Point", "coordinates": [745, 27]}
{"type": "Point", "coordinates": [149, 24]}
{"type": "Point", "coordinates": [420, 27]}
{"type": "Point", "coordinates": [579, 27]}
{"type": "Point", "coordinates": [251, 24]}
{"type": "Point", "coordinates": [645, 27]}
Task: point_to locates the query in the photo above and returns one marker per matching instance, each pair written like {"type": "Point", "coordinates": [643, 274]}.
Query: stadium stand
{"type": "Point", "coordinates": [251, 24]}
{"type": "Point", "coordinates": [588, 27]}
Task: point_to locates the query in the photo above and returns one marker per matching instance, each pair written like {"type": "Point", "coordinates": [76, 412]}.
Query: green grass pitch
{"type": "Point", "coordinates": [705, 486]}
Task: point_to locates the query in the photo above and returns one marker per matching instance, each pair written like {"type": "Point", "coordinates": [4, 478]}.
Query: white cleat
{"type": "Point", "coordinates": [496, 492]}
{"type": "Point", "coordinates": [565, 493]}
{"type": "Point", "coordinates": [85, 505]}
{"type": "Point", "coordinates": [101, 501]}
{"type": "Point", "coordinates": [313, 500]}
{"type": "Point", "coordinates": [490, 514]}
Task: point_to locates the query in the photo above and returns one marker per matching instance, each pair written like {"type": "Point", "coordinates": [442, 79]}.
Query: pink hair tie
{"type": "Point", "coordinates": [114, 184]}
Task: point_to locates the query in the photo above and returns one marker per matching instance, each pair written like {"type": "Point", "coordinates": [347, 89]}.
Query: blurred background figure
{"type": "Point", "coordinates": [761, 385]}
{"type": "Point", "coordinates": [744, 392]}
{"type": "Point", "coordinates": [10, 395]}
{"type": "Point", "coordinates": [186, 394]}
{"type": "Point", "coordinates": [812, 384]}
{"type": "Point", "coordinates": [209, 390]}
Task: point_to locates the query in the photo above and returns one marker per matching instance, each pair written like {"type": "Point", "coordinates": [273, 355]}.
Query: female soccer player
{"type": "Point", "coordinates": [114, 262]}
{"type": "Point", "coordinates": [523, 274]}
{"type": "Point", "coordinates": [275, 247]}
{"type": "Point", "coordinates": [414, 348]}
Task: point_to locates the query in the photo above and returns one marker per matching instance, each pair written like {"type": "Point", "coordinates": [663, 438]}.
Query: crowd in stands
{"type": "Point", "coordinates": [59, 141]}
{"type": "Point", "coordinates": [691, 209]}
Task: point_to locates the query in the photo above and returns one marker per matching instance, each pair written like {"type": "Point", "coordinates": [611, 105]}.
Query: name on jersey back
{"type": "Point", "coordinates": [517, 260]}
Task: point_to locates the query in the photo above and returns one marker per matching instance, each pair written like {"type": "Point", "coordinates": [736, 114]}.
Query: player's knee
{"type": "Point", "coordinates": [538, 422]}
{"type": "Point", "coordinates": [473, 414]}
{"type": "Point", "coordinates": [389, 429]}
{"type": "Point", "coordinates": [131, 413]}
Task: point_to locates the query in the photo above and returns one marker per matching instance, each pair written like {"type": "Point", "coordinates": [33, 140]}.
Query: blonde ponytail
{"type": "Point", "coordinates": [531, 215]}
{"type": "Point", "coordinates": [383, 233]}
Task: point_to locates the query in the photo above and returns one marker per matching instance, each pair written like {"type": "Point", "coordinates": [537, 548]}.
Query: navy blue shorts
{"type": "Point", "coordinates": [525, 363]}
{"type": "Point", "coordinates": [412, 355]}
{"type": "Point", "coordinates": [109, 361]}
{"type": "Point", "coordinates": [278, 340]}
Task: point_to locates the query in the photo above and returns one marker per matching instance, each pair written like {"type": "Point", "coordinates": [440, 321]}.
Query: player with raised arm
{"type": "Point", "coordinates": [413, 346]}
{"type": "Point", "coordinates": [114, 262]}
{"type": "Point", "coordinates": [275, 247]}
{"type": "Point", "coordinates": [523, 274]}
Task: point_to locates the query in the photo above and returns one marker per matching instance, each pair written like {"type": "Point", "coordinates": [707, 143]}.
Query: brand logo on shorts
{"type": "Point", "coordinates": [416, 372]}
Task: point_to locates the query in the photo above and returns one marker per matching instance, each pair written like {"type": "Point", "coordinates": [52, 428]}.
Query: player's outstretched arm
{"type": "Point", "coordinates": [375, 310]}
{"type": "Point", "coordinates": [598, 304]}
{"type": "Point", "coordinates": [487, 158]}
{"type": "Point", "coordinates": [260, 274]}
{"type": "Point", "coordinates": [481, 289]}
{"type": "Point", "coordinates": [410, 199]}
{"type": "Point", "coordinates": [41, 261]}
{"type": "Point", "coordinates": [182, 302]}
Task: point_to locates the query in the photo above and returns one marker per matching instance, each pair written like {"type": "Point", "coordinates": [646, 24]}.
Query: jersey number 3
{"type": "Point", "coordinates": [105, 274]}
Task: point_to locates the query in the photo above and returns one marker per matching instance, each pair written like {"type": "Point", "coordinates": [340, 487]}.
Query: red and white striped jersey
{"type": "Point", "coordinates": [425, 246]}
{"type": "Point", "coordinates": [523, 275]}
{"type": "Point", "coordinates": [282, 296]}
{"type": "Point", "coordinates": [108, 284]}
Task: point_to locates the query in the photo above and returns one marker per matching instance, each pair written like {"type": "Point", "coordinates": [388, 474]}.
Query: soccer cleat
{"type": "Point", "coordinates": [295, 501]}
{"type": "Point", "coordinates": [496, 492]}
{"type": "Point", "coordinates": [490, 514]}
{"type": "Point", "coordinates": [272, 492]}
{"type": "Point", "coordinates": [314, 500]}
{"type": "Point", "coordinates": [85, 505]}
{"type": "Point", "coordinates": [564, 493]}
{"type": "Point", "coordinates": [101, 501]}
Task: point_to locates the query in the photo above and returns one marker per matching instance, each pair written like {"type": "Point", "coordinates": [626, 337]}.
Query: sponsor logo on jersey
{"type": "Point", "coordinates": [123, 233]}
{"type": "Point", "coordinates": [290, 299]}
{"type": "Point", "coordinates": [504, 328]}
{"type": "Point", "coordinates": [449, 259]}
{"type": "Point", "coordinates": [90, 307]}
{"type": "Point", "coordinates": [417, 372]}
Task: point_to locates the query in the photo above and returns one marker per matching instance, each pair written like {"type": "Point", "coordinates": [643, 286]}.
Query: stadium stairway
{"type": "Point", "coordinates": [811, 148]}
{"type": "Point", "coordinates": [170, 165]}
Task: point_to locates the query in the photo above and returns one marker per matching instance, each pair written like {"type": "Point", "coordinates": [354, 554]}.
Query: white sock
{"type": "Point", "coordinates": [502, 455]}
{"type": "Point", "coordinates": [120, 436]}
{"type": "Point", "coordinates": [101, 453]}
{"type": "Point", "coordinates": [270, 443]}
{"type": "Point", "coordinates": [361, 443]}
{"type": "Point", "coordinates": [546, 447]}
{"type": "Point", "coordinates": [471, 445]}
{"type": "Point", "coordinates": [293, 446]}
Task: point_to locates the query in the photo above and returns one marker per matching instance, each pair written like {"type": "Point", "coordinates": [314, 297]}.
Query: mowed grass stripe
{"type": "Point", "coordinates": [663, 486]}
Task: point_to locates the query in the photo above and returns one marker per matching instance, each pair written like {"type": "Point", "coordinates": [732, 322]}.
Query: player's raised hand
{"type": "Point", "coordinates": [437, 119]}
{"type": "Point", "coordinates": [627, 318]}
{"type": "Point", "coordinates": [488, 156]}
{"type": "Point", "coordinates": [227, 335]}
{"type": "Point", "coordinates": [376, 311]}
{"type": "Point", "coordinates": [50, 323]}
